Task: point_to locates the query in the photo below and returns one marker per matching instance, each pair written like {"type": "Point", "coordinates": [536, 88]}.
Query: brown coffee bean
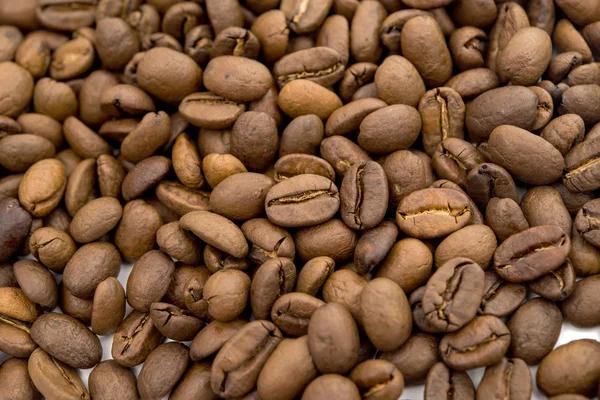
{"type": "Point", "coordinates": [224, 14]}
{"type": "Point", "coordinates": [579, 355]}
{"type": "Point", "coordinates": [321, 65]}
{"type": "Point", "coordinates": [217, 260]}
{"type": "Point", "coordinates": [291, 312]}
{"type": "Point", "coordinates": [564, 132]}
{"type": "Point", "coordinates": [505, 217]}
{"type": "Point", "coordinates": [313, 275]}
{"type": "Point", "coordinates": [454, 158]}
{"type": "Point", "coordinates": [126, 101]}
{"type": "Point", "coordinates": [303, 97]}
{"type": "Point", "coordinates": [217, 231]}
{"type": "Point", "coordinates": [136, 232]}
{"type": "Point", "coordinates": [508, 377]}
{"type": "Point", "coordinates": [580, 308]}
{"type": "Point", "coordinates": [415, 357]}
{"type": "Point", "coordinates": [173, 322]}
{"type": "Point", "coordinates": [16, 223]}
{"type": "Point", "coordinates": [194, 384]}
{"type": "Point", "coordinates": [268, 240]}
{"type": "Point", "coordinates": [67, 339]}
{"type": "Point", "coordinates": [226, 294]}
{"type": "Point", "coordinates": [399, 82]}
{"type": "Point", "coordinates": [83, 140]}
{"type": "Point", "coordinates": [408, 263]}
{"type": "Point", "coordinates": [252, 78]}
{"type": "Point", "coordinates": [583, 256]}
{"type": "Point", "coordinates": [109, 380]}
{"type": "Point", "coordinates": [94, 86]}
{"type": "Point", "coordinates": [95, 219]}
{"type": "Point", "coordinates": [342, 153]}
{"type": "Point", "coordinates": [15, 80]}
{"type": "Point", "coordinates": [134, 339]}
{"type": "Point", "coordinates": [241, 196]}
{"type": "Point", "coordinates": [291, 165]}
{"type": "Point", "coordinates": [379, 377]}
{"type": "Point", "coordinates": [381, 132]}
{"type": "Point", "coordinates": [242, 357]}
{"type": "Point", "coordinates": [557, 285]}
{"type": "Point", "coordinates": [476, 242]}
{"type": "Point", "coordinates": [471, 83]}
{"type": "Point", "coordinates": [10, 37]}
{"type": "Point", "coordinates": [364, 33]}
{"type": "Point", "coordinates": [500, 298]}
{"type": "Point", "coordinates": [482, 342]}
{"type": "Point", "coordinates": [534, 316]}
{"type": "Point", "coordinates": [271, 280]}
{"type": "Point", "coordinates": [532, 253]}
{"type": "Point", "coordinates": [181, 199]}
{"type": "Point", "coordinates": [54, 378]}
{"type": "Point", "coordinates": [9, 185]}
{"type": "Point", "coordinates": [364, 195]}
{"type": "Point", "coordinates": [149, 280]}
{"type": "Point", "coordinates": [110, 175]}
{"type": "Point", "coordinates": [144, 176]}
{"type": "Point", "coordinates": [212, 337]}
{"type": "Point", "coordinates": [162, 369]}
{"type": "Point", "coordinates": [330, 385]}
{"type": "Point", "coordinates": [90, 265]}
{"type": "Point", "coordinates": [453, 294]}
{"type": "Point", "coordinates": [345, 287]}
{"type": "Point", "coordinates": [179, 243]}
{"type": "Point", "coordinates": [580, 100]}
{"type": "Point", "coordinates": [333, 338]}
{"type": "Point", "coordinates": [76, 307]}
{"type": "Point", "coordinates": [543, 205]}
{"type": "Point", "coordinates": [525, 57]}
{"type": "Point", "coordinates": [55, 99]}
{"type": "Point", "coordinates": [467, 46]}
{"type": "Point", "coordinates": [37, 283]}
{"type": "Point", "coordinates": [307, 16]}
{"type": "Point", "coordinates": [81, 186]}
{"type": "Point", "coordinates": [272, 32]}
{"type": "Point", "coordinates": [580, 167]}
{"type": "Point", "coordinates": [150, 134]}
{"type": "Point", "coordinates": [380, 319]}
{"type": "Point", "coordinates": [217, 167]}
{"type": "Point", "coordinates": [443, 382]}
{"type": "Point", "coordinates": [332, 238]}
{"type": "Point", "coordinates": [431, 213]}
{"type": "Point", "coordinates": [176, 294]}
{"type": "Point", "coordinates": [406, 172]}
{"type": "Point", "coordinates": [21, 151]}
{"type": "Point", "coordinates": [108, 308]}
{"type": "Point", "coordinates": [116, 42]}
{"type": "Point", "coordinates": [16, 382]}
{"type": "Point", "coordinates": [117, 129]}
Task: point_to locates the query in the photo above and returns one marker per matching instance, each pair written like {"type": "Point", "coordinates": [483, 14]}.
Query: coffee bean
{"type": "Point", "coordinates": [109, 380]}
{"type": "Point", "coordinates": [15, 380]}
{"type": "Point", "coordinates": [95, 219]}
{"type": "Point", "coordinates": [217, 231]}
{"type": "Point", "coordinates": [332, 238]}
{"type": "Point", "coordinates": [500, 298]}
{"type": "Point", "coordinates": [162, 369]}
{"type": "Point", "coordinates": [212, 337]}
{"type": "Point", "coordinates": [321, 65]}
{"type": "Point", "coordinates": [578, 355]}
{"type": "Point", "coordinates": [303, 97]}
{"type": "Point", "coordinates": [226, 294]}
{"type": "Point", "coordinates": [136, 232]}
{"type": "Point", "coordinates": [42, 187]}
{"type": "Point", "coordinates": [342, 153]}
{"type": "Point", "coordinates": [122, 101]}
{"type": "Point", "coordinates": [509, 376]}
{"type": "Point", "coordinates": [54, 378]}
{"type": "Point", "coordinates": [399, 82]}
{"type": "Point", "coordinates": [217, 260]}
{"type": "Point", "coordinates": [179, 243]}
{"type": "Point", "coordinates": [415, 357]}
{"type": "Point", "coordinates": [460, 244]}
{"type": "Point", "coordinates": [556, 285]}
{"type": "Point", "coordinates": [67, 340]}
{"type": "Point", "coordinates": [195, 383]}
{"type": "Point", "coordinates": [149, 280]}
{"type": "Point", "coordinates": [37, 283]}
{"type": "Point", "coordinates": [532, 253]}
{"type": "Point", "coordinates": [241, 196]}
{"type": "Point", "coordinates": [291, 312]}
{"type": "Point", "coordinates": [90, 265]}
{"type": "Point", "coordinates": [81, 186]}
{"type": "Point", "coordinates": [272, 279]}
{"type": "Point", "coordinates": [108, 308]}
{"type": "Point", "coordinates": [443, 382]}
{"type": "Point", "coordinates": [21, 151]}
{"type": "Point", "coordinates": [482, 342]}
{"type": "Point", "coordinates": [181, 199]}
{"type": "Point", "coordinates": [364, 195]}
{"type": "Point", "coordinates": [15, 227]}
{"type": "Point", "coordinates": [134, 339]}
{"type": "Point", "coordinates": [144, 176]}
{"type": "Point", "coordinates": [242, 358]}
{"type": "Point", "coordinates": [580, 307]}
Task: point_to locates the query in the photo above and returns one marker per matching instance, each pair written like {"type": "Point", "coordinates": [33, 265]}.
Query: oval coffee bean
{"type": "Point", "coordinates": [241, 196]}
{"type": "Point", "coordinates": [532, 253]}
{"type": "Point", "coordinates": [162, 369]}
{"type": "Point", "coordinates": [345, 287]}
{"type": "Point", "coordinates": [303, 97]}
{"type": "Point", "coordinates": [530, 320]}
{"type": "Point", "coordinates": [364, 195]}
{"type": "Point", "coordinates": [194, 384]}
{"type": "Point", "coordinates": [217, 231]}
{"type": "Point", "coordinates": [16, 382]}
{"type": "Point", "coordinates": [108, 308]}
{"type": "Point", "coordinates": [67, 339]}
{"type": "Point", "coordinates": [579, 355]}
{"type": "Point", "coordinates": [173, 322]}
{"type": "Point", "coordinates": [374, 245]}
{"type": "Point", "coordinates": [486, 181]}
{"type": "Point", "coordinates": [415, 357]}
{"type": "Point", "coordinates": [42, 187]}
{"type": "Point", "coordinates": [388, 322]}
{"type": "Point", "coordinates": [268, 240]}
{"type": "Point", "coordinates": [252, 79]}
{"type": "Point", "coordinates": [443, 382]}
{"type": "Point", "coordinates": [212, 337]}
{"type": "Point", "coordinates": [303, 200]}
{"type": "Point", "coordinates": [37, 283]}
{"type": "Point", "coordinates": [90, 265]}
{"type": "Point", "coordinates": [21, 151]}
{"type": "Point", "coordinates": [54, 379]}
{"type": "Point", "coordinates": [149, 280]}
{"type": "Point", "coordinates": [178, 243]}
{"type": "Point", "coordinates": [287, 371]}
{"type": "Point", "coordinates": [331, 385]}
{"type": "Point", "coordinates": [482, 342]}
{"type": "Point", "coordinates": [332, 238]}
{"type": "Point", "coordinates": [508, 377]}
{"type": "Point", "coordinates": [237, 365]}
{"type": "Point", "coordinates": [475, 242]}
{"type": "Point", "coordinates": [271, 280]}
{"type": "Point", "coordinates": [95, 219]}
{"type": "Point", "coordinates": [16, 223]}
{"type": "Point", "coordinates": [500, 298]}
{"type": "Point", "coordinates": [379, 377]}
{"type": "Point", "coordinates": [109, 380]}
{"type": "Point", "coordinates": [313, 275]}
{"type": "Point", "coordinates": [207, 110]}
{"type": "Point", "coordinates": [557, 285]}
{"type": "Point", "coordinates": [226, 293]}
{"type": "Point", "coordinates": [333, 339]}
{"type": "Point", "coordinates": [134, 339]}
{"type": "Point", "coordinates": [321, 65]}
{"type": "Point", "coordinates": [136, 233]}
{"type": "Point", "coordinates": [291, 312]}
{"type": "Point", "coordinates": [432, 213]}
{"type": "Point", "coordinates": [408, 263]}
{"type": "Point", "coordinates": [581, 307]}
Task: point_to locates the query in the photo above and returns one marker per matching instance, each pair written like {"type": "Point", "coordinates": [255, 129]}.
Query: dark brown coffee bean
{"type": "Point", "coordinates": [16, 223]}
{"type": "Point", "coordinates": [406, 172]}
{"type": "Point", "coordinates": [252, 78]}
{"type": "Point", "coordinates": [149, 280]}
{"type": "Point", "coordinates": [117, 129]}
{"type": "Point", "coordinates": [500, 298]}
{"type": "Point", "coordinates": [543, 205]}
{"type": "Point", "coordinates": [579, 355]}
{"type": "Point", "coordinates": [136, 232]}
{"type": "Point", "coordinates": [173, 322]}
{"type": "Point", "coordinates": [135, 338]}
{"type": "Point", "coordinates": [532, 318]}
{"type": "Point", "coordinates": [348, 118]}
{"type": "Point", "coordinates": [37, 283]}
{"type": "Point", "coordinates": [399, 82]}
{"type": "Point", "coordinates": [90, 265]}
{"type": "Point", "coordinates": [333, 338]}
{"type": "Point", "coordinates": [516, 149]}
{"type": "Point", "coordinates": [415, 357]}
{"type": "Point", "coordinates": [364, 195]}
{"type": "Point", "coordinates": [242, 357]}
{"type": "Point", "coordinates": [364, 33]}
{"type": "Point", "coordinates": [108, 308]}
{"type": "Point", "coordinates": [332, 238]}
{"type": "Point", "coordinates": [380, 319]}
{"type": "Point", "coordinates": [579, 100]}
{"type": "Point", "coordinates": [453, 294]}
{"type": "Point", "coordinates": [162, 369]}
{"type": "Point", "coordinates": [91, 91]}
{"type": "Point", "coordinates": [482, 342]}
{"type": "Point", "coordinates": [443, 382]}
{"type": "Point", "coordinates": [461, 244]}
{"type": "Point", "coordinates": [95, 219]}
{"type": "Point", "coordinates": [212, 337]}
{"type": "Point", "coordinates": [374, 245]}
{"type": "Point", "coordinates": [467, 46]}
{"type": "Point", "coordinates": [509, 377]}
{"type": "Point", "coordinates": [150, 134]}
{"type": "Point", "coordinates": [580, 308]}
{"type": "Point", "coordinates": [330, 385]}
{"type": "Point", "coordinates": [235, 41]}
{"type": "Point", "coordinates": [391, 28]}
{"type": "Point", "coordinates": [525, 57]}
{"type": "Point", "coordinates": [7, 275]}
{"type": "Point", "coordinates": [271, 280]}
{"type": "Point", "coordinates": [67, 339]}
{"type": "Point", "coordinates": [532, 253]}
{"type": "Point", "coordinates": [144, 176]}
{"type": "Point", "coordinates": [431, 213]}
{"type": "Point", "coordinates": [9, 185]}
{"type": "Point", "coordinates": [109, 380]}
{"type": "Point", "coordinates": [55, 379]}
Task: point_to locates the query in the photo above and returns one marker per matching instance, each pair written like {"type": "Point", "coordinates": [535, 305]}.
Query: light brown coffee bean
{"type": "Point", "coordinates": [95, 219]}
{"type": "Point", "coordinates": [149, 280]}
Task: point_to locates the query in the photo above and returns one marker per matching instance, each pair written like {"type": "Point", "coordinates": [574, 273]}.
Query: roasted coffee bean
{"type": "Point", "coordinates": [19, 152]}
{"type": "Point", "coordinates": [217, 260]}
{"type": "Point", "coordinates": [556, 285]}
{"type": "Point", "coordinates": [579, 355]}
{"type": "Point", "coordinates": [532, 253]}
{"type": "Point", "coordinates": [81, 186]}
{"type": "Point", "coordinates": [461, 244]}
{"type": "Point", "coordinates": [194, 384]}
{"type": "Point", "coordinates": [332, 238]}
{"type": "Point", "coordinates": [321, 65]}
{"type": "Point", "coordinates": [381, 318]}
{"type": "Point", "coordinates": [313, 275]}
{"type": "Point", "coordinates": [162, 369]}
{"type": "Point", "coordinates": [109, 380]}
{"type": "Point", "coordinates": [241, 196]}
{"type": "Point", "coordinates": [136, 232]}
{"type": "Point", "coordinates": [374, 245]}
{"type": "Point", "coordinates": [543, 205]}
{"type": "Point", "coordinates": [149, 280]}
{"type": "Point", "coordinates": [90, 265]}
{"type": "Point", "coordinates": [135, 338]}
{"type": "Point", "coordinates": [67, 340]}
{"type": "Point", "coordinates": [303, 97]}
{"type": "Point", "coordinates": [238, 363]}
{"type": "Point", "coordinates": [482, 342]}
{"type": "Point", "coordinates": [454, 158]}
{"type": "Point", "coordinates": [217, 231]}
{"type": "Point", "coordinates": [16, 382]}
{"type": "Point", "coordinates": [181, 199]}
{"type": "Point", "coordinates": [509, 377]}
{"type": "Point", "coordinates": [291, 312]}
{"type": "Point", "coordinates": [95, 219]}
{"type": "Point", "coordinates": [379, 379]}
{"type": "Point", "coordinates": [408, 263]}
{"type": "Point", "coordinates": [291, 165]}
{"type": "Point", "coordinates": [580, 308]}
{"type": "Point", "coordinates": [453, 294]}
{"type": "Point", "coordinates": [145, 175]}
{"type": "Point", "coordinates": [37, 283]}
{"type": "Point", "coordinates": [271, 280]}
{"type": "Point", "coordinates": [580, 167]}
{"type": "Point", "coordinates": [179, 243]}
{"type": "Point", "coordinates": [226, 294]}
{"type": "Point", "coordinates": [55, 379]}
{"type": "Point", "coordinates": [126, 101]}
{"type": "Point", "coordinates": [42, 187]}
{"type": "Point", "coordinates": [534, 316]}
{"type": "Point", "coordinates": [415, 357]}
{"type": "Point", "coordinates": [505, 217]}
{"type": "Point", "coordinates": [17, 85]}
{"type": "Point", "coordinates": [342, 154]}
{"type": "Point", "coordinates": [500, 298]}
{"type": "Point", "coordinates": [431, 213]}
{"type": "Point", "coordinates": [212, 337]}
{"type": "Point", "coordinates": [364, 195]}
{"type": "Point", "coordinates": [564, 132]}
{"type": "Point", "coordinates": [443, 382]}
{"type": "Point", "coordinates": [268, 240]}
{"type": "Point", "coordinates": [15, 227]}
{"type": "Point", "coordinates": [150, 134]}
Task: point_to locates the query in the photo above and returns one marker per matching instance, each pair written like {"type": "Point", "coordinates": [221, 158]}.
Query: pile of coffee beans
{"type": "Point", "coordinates": [321, 199]}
